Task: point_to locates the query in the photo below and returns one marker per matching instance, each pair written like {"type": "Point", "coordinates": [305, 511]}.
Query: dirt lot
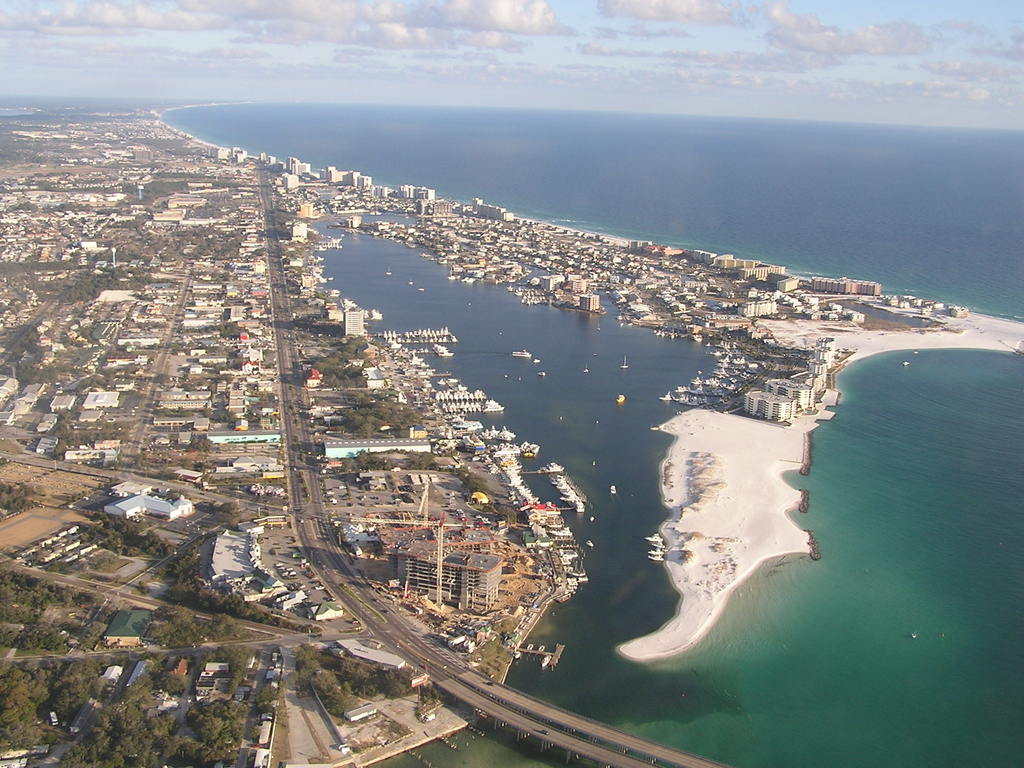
{"type": "Point", "coordinates": [55, 489]}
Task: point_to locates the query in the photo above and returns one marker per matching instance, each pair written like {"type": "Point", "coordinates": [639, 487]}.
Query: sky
{"type": "Point", "coordinates": [918, 62]}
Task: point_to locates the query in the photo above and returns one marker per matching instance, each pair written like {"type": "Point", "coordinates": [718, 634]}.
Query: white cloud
{"type": "Point", "coordinates": [393, 34]}
{"type": "Point", "coordinates": [92, 16]}
{"type": "Point", "coordinates": [696, 11]}
{"type": "Point", "coordinates": [489, 39]}
{"type": "Point", "coordinates": [973, 71]}
{"type": "Point", "coordinates": [806, 32]}
{"type": "Point", "coordinates": [524, 17]}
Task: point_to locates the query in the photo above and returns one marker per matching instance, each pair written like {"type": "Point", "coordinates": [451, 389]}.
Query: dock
{"type": "Point", "coordinates": [548, 658]}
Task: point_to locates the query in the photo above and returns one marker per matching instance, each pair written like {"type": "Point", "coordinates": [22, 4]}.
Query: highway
{"type": "Point", "coordinates": [577, 735]}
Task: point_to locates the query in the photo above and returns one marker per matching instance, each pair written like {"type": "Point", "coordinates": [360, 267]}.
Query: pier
{"type": "Point", "coordinates": [548, 658]}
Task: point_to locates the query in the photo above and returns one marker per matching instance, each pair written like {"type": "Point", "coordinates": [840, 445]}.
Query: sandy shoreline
{"type": "Point", "coordinates": [722, 479]}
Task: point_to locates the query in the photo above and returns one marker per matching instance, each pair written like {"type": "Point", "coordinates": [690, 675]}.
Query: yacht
{"type": "Point", "coordinates": [522, 353]}
{"type": "Point", "coordinates": [612, 490]}
{"type": "Point", "coordinates": [624, 363]}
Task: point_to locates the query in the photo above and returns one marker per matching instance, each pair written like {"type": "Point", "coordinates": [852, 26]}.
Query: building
{"type": "Point", "coordinates": [327, 610]}
{"type": "Point", "coordinates": [845, 285]}
{"type": "Point", "coordinates": [232, 437]}
{"type": "Point", "coordinates": [126, 629]}
{"type": "Point", "coordinates": [493, 212]}
{"type": "Point", "coordinates": [765, 405]}
{"type": "Point", "coordinates": [758, 308]}
{"type": "Point", "coordinates": [354, 321]}
{"type": "Point", "coordinates": [357, 650]}
{"type": "Point", "coordinates": [133, 506]}
{"type": "Point", "coordinates": [590, 302]}
{"type": "Point", "coordinates": [469, 580]}
{"type": "Point", "coordinates": [307, 211]}
{"type": "Point", "coordinates": [62, 403]}
{"type": "Point", "coordinates": [234, 558]}
{"type": "Point", "coordinates": [361, 713]}
{"type": "Point", "coordinates": [299, 232]}
{"type": "Point", "coordinates": [97, 400]}
{"type": "Point", "coordinates": [801, 392]}
{"type": "Point", "coordinates": [346, 449]}
{"type": "Point", "coordinates": [787, 284]}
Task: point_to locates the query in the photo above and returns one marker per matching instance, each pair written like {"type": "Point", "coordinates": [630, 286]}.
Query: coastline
{"type": "Point", "coordinates": [751, 457]}
{"type": "Point", "coordinates": [723, 475]}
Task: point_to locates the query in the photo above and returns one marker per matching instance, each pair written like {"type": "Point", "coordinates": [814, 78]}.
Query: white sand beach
{"type": "Point", "coordinates": [723, 481]}
{"type": "Point", "coordinates": [722, 478]}
{"type": "Point", "coordinates": [972, 332]}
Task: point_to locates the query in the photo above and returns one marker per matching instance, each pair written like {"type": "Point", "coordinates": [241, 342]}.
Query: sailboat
{"type": "Point", "coordinates": [624, 363]}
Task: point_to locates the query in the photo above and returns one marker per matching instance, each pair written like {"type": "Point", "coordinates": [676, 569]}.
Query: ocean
{"type": "Point", "coordinates": [916, 484]}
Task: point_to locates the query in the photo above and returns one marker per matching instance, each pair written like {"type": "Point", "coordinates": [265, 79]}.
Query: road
{"type": "Point", "coordinates": [578, 736]}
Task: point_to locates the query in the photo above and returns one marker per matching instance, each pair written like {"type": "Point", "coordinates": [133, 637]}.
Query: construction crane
{"type": "Point", "coordinates": [421, 520]}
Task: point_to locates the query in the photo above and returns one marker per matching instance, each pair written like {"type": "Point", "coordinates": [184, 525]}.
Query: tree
{"type": "Point", "coordinates": [218, 726]}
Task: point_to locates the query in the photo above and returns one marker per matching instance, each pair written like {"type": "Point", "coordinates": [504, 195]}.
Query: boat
{"type": "Point", "coordinates": [624, 363]}
{"type": "Point", "coordinates": [586, 370]}
{"type": "Point", "coordinates": [522, 353]}
{"type": "Point", "coordinates": [388, 273]}
{"type": "Point", "coordinates": [666, 397]}
{"type": "Point", "coordinates": [906, 362]}
{"type": "Point", "coordinates": [612, 490]}
{"type": "Point", "coordinates": [656, 538]}
{"type": "Point", "coordinates": [620, 399]}
{"type": "Point", "coordinates": [541, 373]}
{"type": "Point", "coordinates": [656, 557]}
{"type": "Point", "coordinates": [590, 543]}
{"type": "Point", "coordinates": [493, 406]}
{"type": "Point", "coordinates": [552, 469]}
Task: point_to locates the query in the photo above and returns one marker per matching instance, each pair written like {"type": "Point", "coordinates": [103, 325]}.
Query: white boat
{"type": "Point", "coordinates": [590, 543]}
{"type": "Point", "coordinates": [522, 353]}
{"type": "Point", "coordinates": [493, 406]}
{"type": "Point", "coordinates": [655, 557]}
{"type": "Point", "coordinates": [552, 469]}
{"type": "Point", "coordinates": [656, 539]}
{"type": "Point", "coordinates": [541, 373]}
{"type": "Point", "coordinates": [624, 363]}
{"type": "Point", "coordinates": [612, 490]}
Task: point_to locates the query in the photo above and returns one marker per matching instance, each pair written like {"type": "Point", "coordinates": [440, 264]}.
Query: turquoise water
{"type": "Point", "coordinates": [917, 483]}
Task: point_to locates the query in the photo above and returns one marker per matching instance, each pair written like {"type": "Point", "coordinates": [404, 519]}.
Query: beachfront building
{"type": "Point", "coordinates": [800, 391]}
{"type": "Point", "coordinates": [765, 405]}
{"type": "Point", "coordinates": [846, 286]}
{"type": "Point", "coordinates": [355, 322]}
{"type": "Point", "coordinates": [590, 302]}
